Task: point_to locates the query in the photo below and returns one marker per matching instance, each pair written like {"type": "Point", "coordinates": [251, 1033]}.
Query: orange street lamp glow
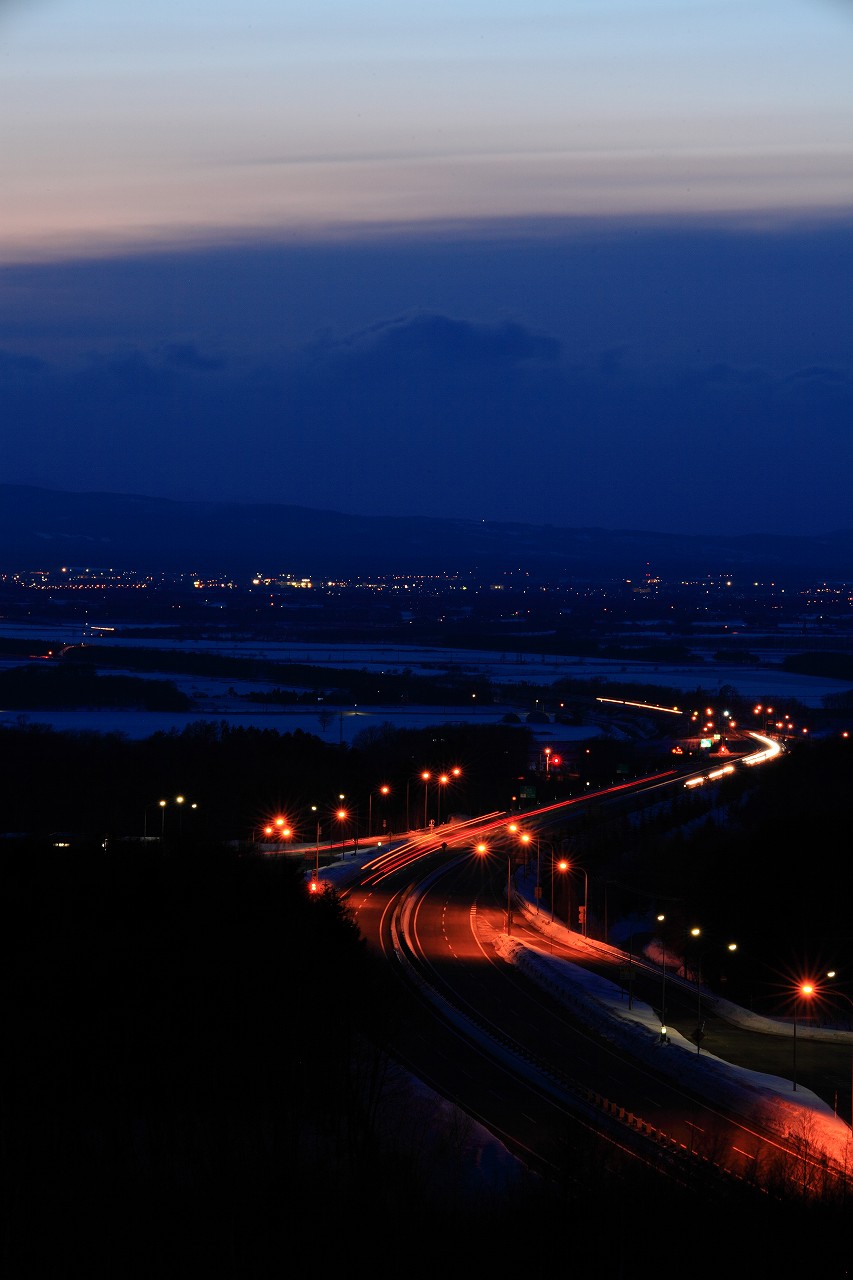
{"type": "Point", "coordinates": [384, 790]}
{"type": "Point", "coordinates": [805, 989]}
{"type": "Point", "coordinates": [425, 777]}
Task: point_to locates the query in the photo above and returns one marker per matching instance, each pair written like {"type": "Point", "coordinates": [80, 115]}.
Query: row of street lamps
{"type": "Point", "coordinates": [522, 839]}
{"type": "Point", "coordinates": [804, 991]}
{"type": "Point", "coordinates": [279, 828]}
{"type": "Point", "coordinates": [179, 801]}
{"type": "Point", "coordinates": [441, 781]}
{"type": "Point", "coordinates": [563, 865]}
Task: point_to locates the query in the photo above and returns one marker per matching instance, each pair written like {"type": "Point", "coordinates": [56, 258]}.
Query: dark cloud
{"type": "Point", "coordinates": [186, 355]}
{"type": "Point", "coordinates": [658, 380]}
{"type": "Point", "coordinates": [123, 374]}
{"type": "Point", "coordinates": [14, 367]}
{"type": "Point", "coordinates": [819, 379]}
{"type": "Point", "coordinates": [446, 341]}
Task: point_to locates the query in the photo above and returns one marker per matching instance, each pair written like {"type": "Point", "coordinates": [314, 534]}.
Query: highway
{"type": "Point", "coordinates": [523, 1064]}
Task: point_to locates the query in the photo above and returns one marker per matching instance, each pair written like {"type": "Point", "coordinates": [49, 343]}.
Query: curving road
{"type": "Point", "coordinates": [516, 1059]}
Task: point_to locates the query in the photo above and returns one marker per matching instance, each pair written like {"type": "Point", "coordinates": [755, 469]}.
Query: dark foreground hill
{"type": "Point", "coordinates": [45, 529]}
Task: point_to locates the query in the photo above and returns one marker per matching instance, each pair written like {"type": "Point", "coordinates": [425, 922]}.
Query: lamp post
{"type": "Point", "coordinates": [660, 920]}
{"type": "Point", "coordinates": [441, 781]}
{"type": "Point", "coordinates": [384, 790]}
{"type": "Point", "coordinates": [425, 777]}
{"type": "Point", "coordinates": [341, 815]}
{"type": "Point", "coordinates": [161, 804]}
{"type": "Point", "coordinates": [696, 932]}
{"type": "Point", "coordinates": [316, 846]}
{"type": "Point", "coordinates": [483, 850]}
{"type": "Point", "coordinates": [553, 860]}
{"type": "Point", "coordinates": [831, 974]}
{"type": "Point", "coordinates": [565, 865]}
{"type": "Point", "coordinates": [525, 839]}
{"type": "Point", "coordinates": [508, 892]}
{"type": "Point", "coordinates": [180, 801]}
{"type": "Point", "coordinates": [550, 847]}
{"type": "Point", "coordinates": [804, 989]}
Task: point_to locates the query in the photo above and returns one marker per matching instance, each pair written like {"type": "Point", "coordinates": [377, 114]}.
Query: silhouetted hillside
{"type": "Point", "coordinates": [43, 528]}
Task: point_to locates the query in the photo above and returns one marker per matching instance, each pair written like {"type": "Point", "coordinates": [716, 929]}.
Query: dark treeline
{"type": "Point", "coordinates": [35, 687]}
{"type": "Point", "coordinates": [109, 785]}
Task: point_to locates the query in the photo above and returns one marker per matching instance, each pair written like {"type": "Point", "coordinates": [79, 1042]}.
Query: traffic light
{"type": "Point", "coordinates": [313, 885]}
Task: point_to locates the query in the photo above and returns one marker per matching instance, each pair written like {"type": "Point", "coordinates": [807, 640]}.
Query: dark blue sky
{"type": "Point", "coordinates": [610, 373]}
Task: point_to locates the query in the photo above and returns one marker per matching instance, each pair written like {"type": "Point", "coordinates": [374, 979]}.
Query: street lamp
{"type": "Point", "coordinates": [342, 815]}
{"type": "Point", "coordinates": [537, 892]}
{"type": "Point", "coordinates": [562, 865]}
{"type": "Point", "coordinates": [482, 850]}
{"type": "Point", "coordinates": [441, 781]}
{"type": "Point", "coordinates": [508, 892]}
{"type": "Point", "coordinates": [281, 830]}
{"type": "Point", "coordinates": [696, 932]}
{"type": "Point", "coordinates": [316, 846]}
{"type": "Point", "coordinates": [660, 920]}
{"type": "Point", "coordinates": [425, 777]}
{"type": "Point", "coordinates": [804, 989]}
{"type": "Point", "coordinates": [384, 790]}
{"type": "Point", "coordinates": [525, 839]}
{"type": "Point", "coordinates": [565, 865]}
{"type": "Point", "coordinates": [548, 845]}
{"type": "Point", "coordinates": [831, 974]}
{"type": "Point", "coordinates": [161, 804]}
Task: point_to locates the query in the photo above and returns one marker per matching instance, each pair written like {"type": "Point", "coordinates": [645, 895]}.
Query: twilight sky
{"type": "Point", "coordinates": [586, 264]}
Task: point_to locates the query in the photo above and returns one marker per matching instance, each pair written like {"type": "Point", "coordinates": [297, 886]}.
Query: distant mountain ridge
{"type": "Point", "coordinates": [47, 528]}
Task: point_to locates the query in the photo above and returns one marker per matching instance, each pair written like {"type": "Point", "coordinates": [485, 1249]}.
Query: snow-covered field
{"type": "Point", "coordinates": [218, 698]}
